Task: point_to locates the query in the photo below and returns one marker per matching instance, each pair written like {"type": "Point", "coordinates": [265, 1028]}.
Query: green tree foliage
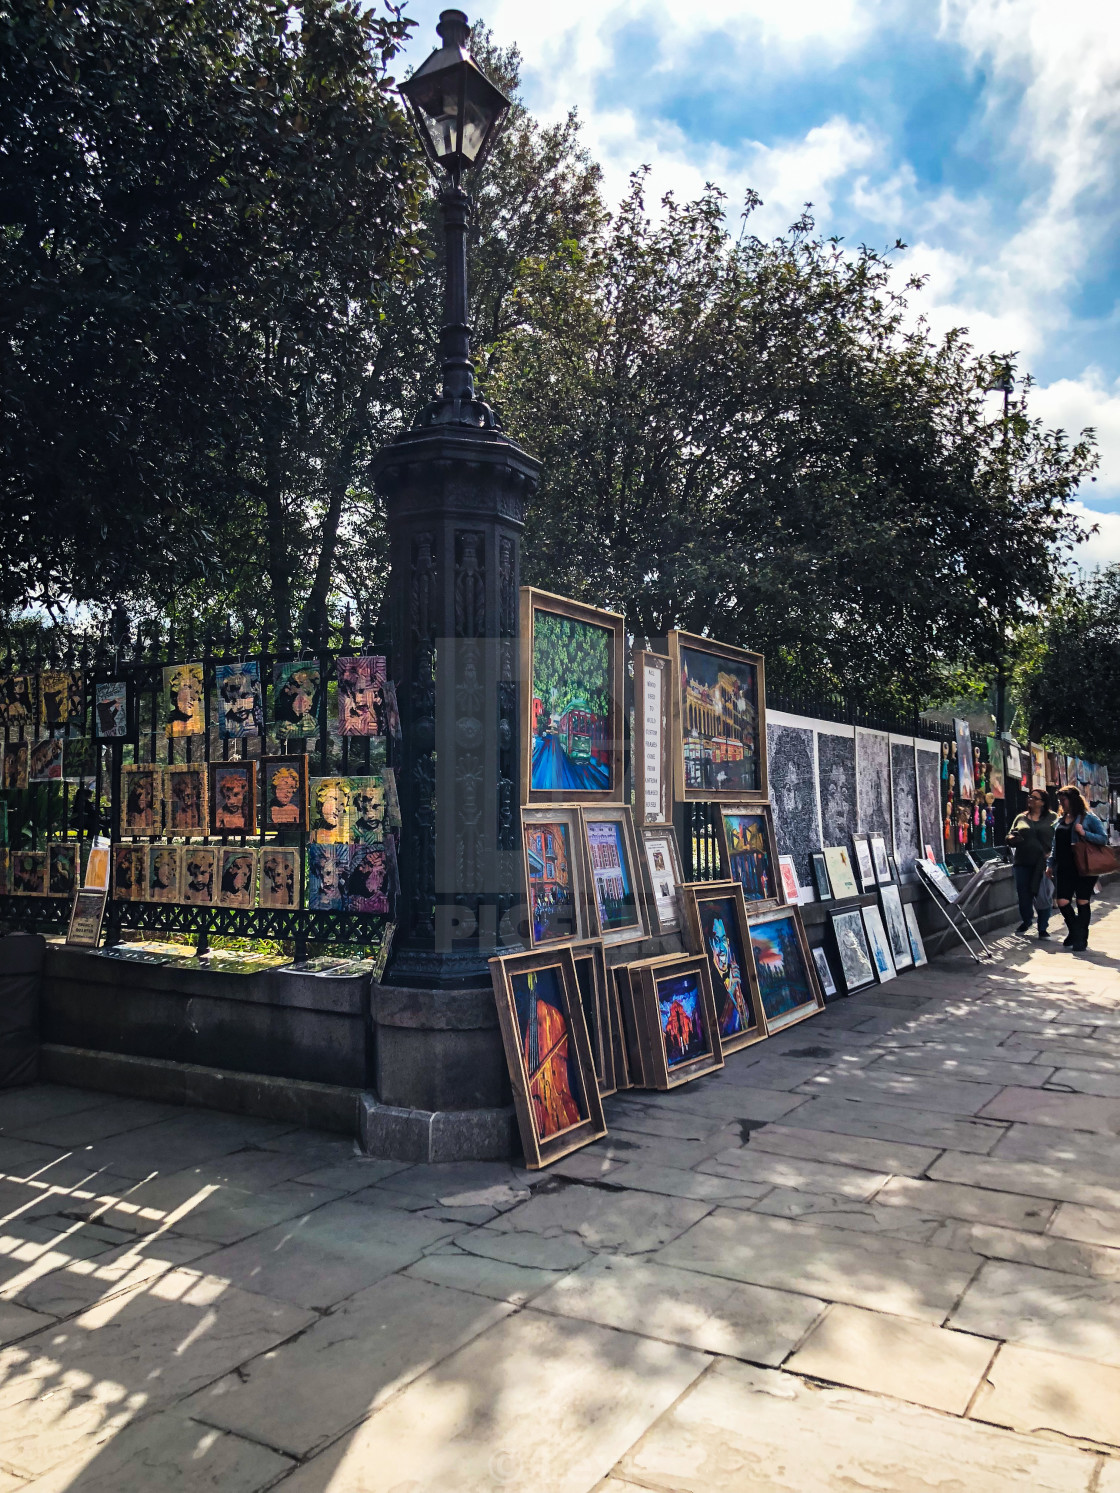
{"type": "Point", "coordinates": [571, 664]}
{"type": "Point", "coordinates": [1070, 679]}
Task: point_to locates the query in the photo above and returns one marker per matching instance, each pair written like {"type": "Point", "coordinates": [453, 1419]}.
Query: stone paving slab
{"type": "Point", "coordinates": [1033, 1391]}
{"type": "Point", "coordinates": [1043, 1309]}
{"type": "Point", "coordinates": [1070, 1111]}
{"type": "Point", "coordinates": [862, 1152]}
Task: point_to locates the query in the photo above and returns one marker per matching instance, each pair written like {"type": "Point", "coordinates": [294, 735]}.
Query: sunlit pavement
{"type": "Point", "coordinates": [880, 1251]}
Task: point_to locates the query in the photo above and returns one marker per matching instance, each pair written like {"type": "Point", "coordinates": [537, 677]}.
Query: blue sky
{"type": "Point", "coordinates": [983, 133]}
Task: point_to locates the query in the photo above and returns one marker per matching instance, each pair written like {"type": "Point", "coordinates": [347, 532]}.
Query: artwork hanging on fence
{"type": "Point", "coordinates": [878, 944]}
{"type": "Point", "coordinates": [716, 915]}
{"type": "Point", "coordinates": [591, 976]}
{"type": "Point", "coordinates": [836, 761]}
{"type": "Point", "coordinates": [240, 708]}
{"type": "Point", "coordinates": [141, 799]}
{"type": "Point", "coordinates": [44, 761]}
{"type": "Point", "coordinates": [128, 873]}
{"type": "Point", "coordinates": [61, 702]}
{"type": "Point", "coordinates": [821, 879]}
{"type": "Point", "coordinates": [856, 964]}
{"type": "Point", "coordinates": [164, 869]}
{"type": "Point", "coordinates": [553, 870]}
{"type": "Point", "coordinates": [873, 781]}
{"type": "Point", "coordinates": [824, 973]}
{"type": "Point", "coordinates": [904, 802]}
{"type": "Point", "coordinates": [548, 1053]}
{"type": "Point", "coordinates": [326, 877]}
{"type": "Point", "coordinates": [15, 702]}
{"type": "Point", "coordinates": [1014, 760]}
{"type": "Point", "coordinates": [278, 882]}
{"type": "Point", "coordinates": [29, 873]}
{"type": "Point", "coordinates": [719, 719]}
{"type": "Point", "coordinates": [1055, 765]}
{"type": "Point", "coordinates": [917, 947]}
{"type": "Point", "coordinates": [787, 980]}
{"type": "Point", "coordinates": [898, 936]}
{"type": "Point", "coordinates": [676, 1020]}
{"type": "Point", "coordinates": [330, 811]}
{"type": "Point", "coordinates": [996, 782]}
{"type": "Point", "coordinates": [237, 870]}
{"type": "Point", "coordinates": [746, 847]}
{"type": "Point", "coordinates": [62, 869]}
{"type": "Point", "coordinates": [793, 794]}
{"type": "Point", "coordinates": [841, 872]}
{"type": "Point", "coordinates": [367, 878]}
{"type": "Point", "coordinates": [1038, 766]}
{"type": "Point", "coordinates": [367, 810]}
{"type": "Point", "coordinates": [573, 665]}
{"type": "Point", "coordinates": [79, 759]}
{"type": "Point", "coordinates": [186, 799]}
{"type": "Point", "coordinates": [927, 764]}
{"type": "Point", "coordinates": [651, 755]}
{"type": "Point", "coordinates": [185, 695]}
{"type": "Point", "coordinates": [361, 683]}
{"type": "Point", "coordinates": [16, 765]}
{"type": "Point", "coordinates": [608, 838]}
{"type": "Point", "coordinates": [110, 710]}
{"type": "Point", "coordinates": [966, 781]}
{"type": "Point", "coordinates": [296, 699]}
{"type": "Point", "coordinates": [283, 793]}
{"type": "Point", "coordinates": [200, 875]}
{"type": "Point", "coordinates": [865, 864]}
{"type": "Point", "coordinates": [233, 797]}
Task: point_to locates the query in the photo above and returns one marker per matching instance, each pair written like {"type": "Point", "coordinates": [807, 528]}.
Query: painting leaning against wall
{"type": "Point", "coordinates": [793, 794]}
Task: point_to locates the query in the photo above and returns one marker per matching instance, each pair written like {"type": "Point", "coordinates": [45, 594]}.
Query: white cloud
{"type": "Point", "coordinates": [1073, 404]}
{"type": "Point", "coordinates": [1102, 548]}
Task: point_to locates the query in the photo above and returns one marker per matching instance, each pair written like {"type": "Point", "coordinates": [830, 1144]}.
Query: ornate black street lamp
{"type": "Point", "coordinates": [455, 488]}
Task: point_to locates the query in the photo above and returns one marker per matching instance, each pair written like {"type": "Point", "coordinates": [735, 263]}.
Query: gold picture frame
{"type": "Point", "coordinates": [760, 879]}
{"type": "Point", "coordinates": [714, 777]}
{"type": "Point", "coordinates": [740, 1018]}
{"type": "Point", "coordinates": [611, 862]}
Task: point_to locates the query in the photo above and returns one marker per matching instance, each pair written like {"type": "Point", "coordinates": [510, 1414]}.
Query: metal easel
{"type": "Point", "coordinates": [951, 903]}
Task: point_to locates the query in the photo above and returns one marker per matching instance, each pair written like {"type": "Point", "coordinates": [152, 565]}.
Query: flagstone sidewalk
{"type": "Point", "coordinates": [880, 1251]}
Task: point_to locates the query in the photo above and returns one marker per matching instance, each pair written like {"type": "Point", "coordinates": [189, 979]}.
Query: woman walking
{"type": "Point", "coordinates": [1075, 826]}
{"type": "Point", "coordinates": [1032, 838]}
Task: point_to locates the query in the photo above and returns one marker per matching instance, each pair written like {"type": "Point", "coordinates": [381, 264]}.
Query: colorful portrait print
{"type": "Point", "coordinates": [233, 806]}
{"type": "Point", "coordinates": [680, 1008]}
{"type": "Point", "coordinates": [326, 877]}
{"type": "Point", "coordinates": [552, 1076]}
{"type": "Point", "coordinates": [140, 800]}
{"type": "Point", "coordinates": [16, 765]}
{"type": "Point", "coordinates": [285, 793]}
{"type": "Point", "coordinates": [200, 872]}
{"type": "Point", "coordinates": [719, 927]}
{"type": "Point", "coordinates": [784, 982]}
{"type": "Point", "coordinates": [612, 875]}
{"type": "Point", "coordinates": [125, 881]}
{"type": "Point", "coordinates": [278, 881]}
{"type": "Point", "coordinates": [548, 854]}
{"type": "Point", "coordinates": [719, 722]}
{"type": "Point", "coordinates": [163, 873]}
{"type": "Point", "coordinates": [185, 795]}
{"type": "Point", "coordinates": [15, 701]}
{"type": "Point", "coordinates": [63, 870]}
{"type": "Point", "coordinates": [236, 874]}
{"type": "Point", "coordinates": [110, 711]}
{"type": "Point", "coordinates": [572, 688]}
{"type": "Point", "coordinates": [44, 761]}
{"type": "Point", "coordinates": [29, 873]}
{"type": "Point", "coordinates": [296, 696]}
{"type": "Point", "coordinates": [330, 811]}
{"type": "Point", "coordinates": [367, 810]}
{"type": "Point", "coordinates": [360, 696]}
{"type": "Point", "coordinates": [367, 879]}
{"type": "Point", "coordinates": [240, 711]}
{"type": "Point", "coordinates": [749, 854]}
{"type": "Point", "coordinates": [185, 697]}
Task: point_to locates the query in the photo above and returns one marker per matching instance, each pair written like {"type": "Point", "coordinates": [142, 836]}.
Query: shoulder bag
{"type": "Point", "coordinates": [1093, 860]}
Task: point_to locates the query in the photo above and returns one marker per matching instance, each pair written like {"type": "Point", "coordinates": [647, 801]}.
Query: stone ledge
{"type": "Point", "coordinates": [422, 1135]}
{"type": "Point", "coordinates": [434, 1010]}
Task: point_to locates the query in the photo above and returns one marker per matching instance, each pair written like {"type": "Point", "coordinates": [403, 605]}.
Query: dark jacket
{"type": "Point", "coordinates": [1032, 839]}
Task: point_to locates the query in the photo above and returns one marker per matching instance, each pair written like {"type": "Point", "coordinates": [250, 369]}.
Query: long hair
{"type": "Point", "coordinates": [1072, 796]}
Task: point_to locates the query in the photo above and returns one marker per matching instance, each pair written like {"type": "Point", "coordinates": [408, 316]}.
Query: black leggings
{"type": "Point", "coordinates": [1073, 888]}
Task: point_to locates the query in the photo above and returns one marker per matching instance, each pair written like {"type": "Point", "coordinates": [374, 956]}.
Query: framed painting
{"type": "Point", "coordinates": [29, 873]}
{"type": "Point", "coordinates": [552, 864]}
{"type": "Point", "coordinates": [591, 976]}
{"type": "Point", "coordinates": [16, 712]}
{"type": "Point", "coordinates": [330, 811]}
{"type": "Point", "coordinates": [719, 720]}
{"type": "Point", "coordinates": [841, 873]}
{"type": "Point", "coordinates": [787, 874]}
{"type": "Point", "coordinates": [240, 707]}
{"type": "Point", "coordinates": [917, 946]}
{"type": "Point", "coordinates": [676, 1020]}
{"type": "Point", "coordinates": [141, 799]}
{"type": "Point", "coordinates": [367, 810]}
{"type": "Point", "coordinates": [616, 903]}
{"type": "Point", "coordinates": [283, 793]}
{"type": "Point", "coordinates": [111, 714]}
{"type": "Point", "coordinates": [894, 919]}
{"type": "Point", "coordinates": [326, 877]}
{"type": "Point", "coordinates": [824, 973]}
{"type": "Point", "coordinates": [278, 881]}
{"type": "Point", "coordinates": [62, 869]}
{"type": "Point", "coordinates": [367, 877]}
{"type": "Point", "coordinates": [878, 944]}
{"type": "Point", "coordinates": [883, 874]}
{"type": "Point", "coordinates": [297, 694]}
{"type": "Point", "coordinates": [86, 917]}
{"type": "Point", "coordinates": [821, 879]}
{"type": "Point", "coordinates": [184, 700]}
{"type": "Point", "coordinates": [233, 797]}
{"type": "Point", "coordinates": [548, 1053]}
{"type": "Point", "coordinates": [573, 684]}
{"type": "Point", "coordinates": [164, 871]}
{"type": "Point", "coordinates": [127, 874]}
{"type": "Point", "coordinates": [186, 797]}
{"type": "Point", "coordinates": [622, 1079]}
{"type": "Point", "coordinates": [716, 916]}
{"type": "Point", "coordinates": [200, 875]}
{"type": "Point", "coordinates": [865, 863]}
{"type": "Point", "coordinates": [16, 765]}
{"type": "Point", "coordinates": [664, 877]}
{"type": "Point", "coordinates": [237, 875]}
{"type": "Point", "coordinates": [786, 974]}
{"type": "Point", "coordinates": [44, 761]}
{"type": "Point", "coordinates": [650, 753]}
{"type": "Point", "coordinates": [361, 702]}
{"type": "Point", "coordinates": [746, 847]}
{"type": "Point", "coordinates": [630, 1025]}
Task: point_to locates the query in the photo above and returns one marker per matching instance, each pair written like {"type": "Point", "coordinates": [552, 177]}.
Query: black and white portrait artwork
{"type": "Point", "coordinates": [929, 798]}
{"type": "Point", "coordinates": [873, 782]}
{"type": "Point", "coordinates": [836, 762]}
{"type": "Point", "coordinates": [904, 788]}
{"type": "Point", "coordinates": [793, 794]}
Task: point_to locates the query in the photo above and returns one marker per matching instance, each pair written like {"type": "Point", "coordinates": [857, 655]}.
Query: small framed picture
{"type": "Point", "coordinates": [719, 720]}
{"type": "Point", "coordinates": [864, 862]}
{"type": "Point", "coordinates": [548, 1052]}
{"type": "Point", "coordinates": [553, 866]}
{"type": "Point", "coordinates": [676, 1020]}
{"type": "Point", "coordinates": [591, 976]}
{"type": "Point", "coordinates": [791, 887]}
{"type": "Point", "coordinates": [616, 904]}
{"type": "Point", "coordinates": [200, 875]}
{"type": "Point", "coordinates": [878, 944]}
{"type": "Point", "coordinates": [29, 873]}
{"type": "Point", "coordinates": [824, 973]}
{"type": "Point", "coordinates": [820, 875]}
{"type": "Point", "coordinates": [361, 702]}
{"type": "Point", "coordinates": [917, 946]}
{"type": "Point", "coordinates": [237, 875]}
{"type": "Point", "coordinates": [111, 714]}
{"type": "Point", "coordinates": [881, 860]}
{"type": "Point", "coordinates": [326, 877]}
{"type": "Point", "coordinates": [651, 748]}
{"type": "Point", "coordinates": [284, 793]}
{"type": "Point", "coordinates": [841, 873]}
{"type": "Point", "coordinates": [86, 917]}
{"type": "Point", "coordinates": [330, 811]}
{"type": "Point", "coordinates": [786, 974]}
{"type": "Point", "coordinates": [716, 916]}
{"type": "Point", "coordinates": [233, 797]}
{"type": "Point", "coordinates": [16, 702]}
{"type": "Point", "coordinates": [185, 798]}
{"type": "Point", "coordinates": [278, 881]}
{"type": "Point", "coordinates": [898, 936]}
{"type": "Point", "coordinates": [664, 877]}
{"type": "Point", "coordinates": [856, 966]}
{"type": "Point", "coordinates": [61, 702]}
{"type": "Point", "coordinates": [747, 853]}
{"type": "Point", "coordinates": [62, 878]}
{"type": "Point", "coordinates": [164, 871]}
{"type": "Point", "coordinates": [141, 799]}
{"type": "Point", "coordinates": [297, 693]}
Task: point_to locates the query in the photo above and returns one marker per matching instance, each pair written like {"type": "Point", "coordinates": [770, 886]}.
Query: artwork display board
{"type": "Point", "coordinates": [917, 946]}
{"type": "Point", "coordinates": [591, 976]}
{"type": "Point", "coordinates": [841, 872]}
{"type": "Point", "coordinates": [856, 965]}
{"type": "Point", "coordinates": [86, 918]}
{"type": "Point", "coordinates": [894, 918]}
{"type": "Point", "coordinates": [676, 1020]}
{"type": "Point", "coordinates": [882, 863]}
{"type": "Point", "coordinates": [618, 915]}
{"type": "Point", "coordinates": [878, 944]}
{"type": "Point", "coordinates": [747, 853]}
{"type": "Point", "coordinates": [719, 720]}
{"type": "Point", "coordinates": [651, 752]}
{"type": "Point", "coordinates": [966, 778]}
{"type": "Point", "coordinates": [548, 1053]}
{"type": "Point", "coordinates": [716, 917]}
{"type": "Point", "coordinates": [865, 864]}
{"type": "Point", "coordinates": [904, 806]}
{"type": "Point", "coordinates": [873, 782]}
{"type": "Point", "coordinates": [791, 768]}
{"type": "Point", "coordinates": [1038, 766]}
{"type": "Point", "coordinates": [662, 864]}
{"type": "Point", "coordinates": [573, 673]}
{"type": "Point", "coordinates": [553, 868]}
{"type": "Point", "coordinates": [784, 968]}
{"type": "Point", "coordinates": [996, 778]}
{"type": "Point", "coordinates": [836, 776]}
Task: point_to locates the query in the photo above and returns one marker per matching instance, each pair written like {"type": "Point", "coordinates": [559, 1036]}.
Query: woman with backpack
{"type": "Point", "coordinates": [1070, 864]}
